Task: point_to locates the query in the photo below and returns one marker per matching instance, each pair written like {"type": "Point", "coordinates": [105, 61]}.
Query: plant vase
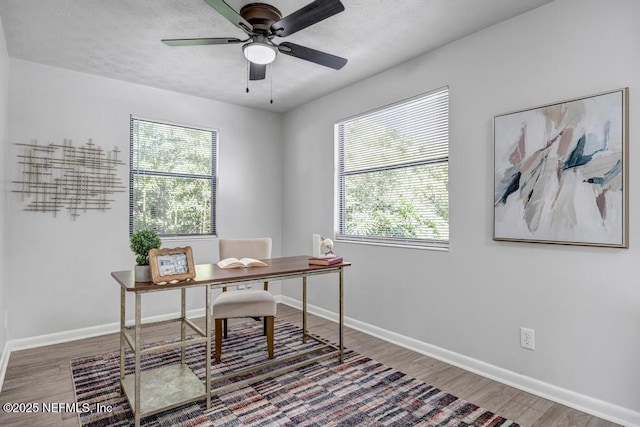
{"type": "Point", "coordinates": [142, 273]}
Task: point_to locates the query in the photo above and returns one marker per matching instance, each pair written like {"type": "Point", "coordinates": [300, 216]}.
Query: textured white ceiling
{"type": "Point", "coordinates": [120, 39]}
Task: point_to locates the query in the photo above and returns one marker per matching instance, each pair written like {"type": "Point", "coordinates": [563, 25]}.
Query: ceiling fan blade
{"type": "Point", "coordinates": [312, 13]}
{"type": "Point", "coordinates": [231, 15]}
{"type": "Point", "coordinates": [312, 55]}
{"type": "Point", "coordinates": [199, 42]}
{"type": "Point", "coordinates": [257, 71]}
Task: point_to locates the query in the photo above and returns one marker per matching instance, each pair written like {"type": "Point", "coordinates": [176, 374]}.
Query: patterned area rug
{"type": "Point", "coordinates": [359, 392]}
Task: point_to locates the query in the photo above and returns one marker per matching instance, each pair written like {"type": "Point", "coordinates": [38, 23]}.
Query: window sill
{"type": "Point", "coordinates": [209, 237]}
{"type": "Point", "coordinates": [441, 247]}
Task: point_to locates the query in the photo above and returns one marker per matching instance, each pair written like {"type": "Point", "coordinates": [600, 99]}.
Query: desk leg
{"type": "Point", "coordinates": [123, 300]}
{"type": "Point", "coordinates": [341, 320]}
{"type": "Point", "coordinates": [183, 324]}
{"type": "Point", "coordinates": [138, 348]}
{"type": "Point", "coordinates": [207, 374]}
{"type": "Point", "coordinates": [304, 309]}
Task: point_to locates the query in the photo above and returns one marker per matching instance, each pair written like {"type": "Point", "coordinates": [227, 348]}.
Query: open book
{"type": "Point", "coordinates": [239, 263]}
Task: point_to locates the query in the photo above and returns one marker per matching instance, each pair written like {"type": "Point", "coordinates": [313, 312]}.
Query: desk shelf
{"type": "Point", "coordinates": [163, 388]}
{"type": "Point", "coordinates": [130, 338]}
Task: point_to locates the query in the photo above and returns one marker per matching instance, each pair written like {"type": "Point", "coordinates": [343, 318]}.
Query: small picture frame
{"type": "Point", "coordinates": [171, 265]}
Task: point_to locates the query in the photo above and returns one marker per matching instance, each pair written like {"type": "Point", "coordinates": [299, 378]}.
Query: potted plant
{"type": "Point", "coordinates": [141, 243]}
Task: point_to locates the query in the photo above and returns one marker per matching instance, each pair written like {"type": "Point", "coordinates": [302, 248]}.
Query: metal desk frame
{"type": "Point", "coordinates": [166, 387]}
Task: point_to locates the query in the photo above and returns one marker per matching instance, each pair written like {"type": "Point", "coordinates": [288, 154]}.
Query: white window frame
{"type": "Point", "coordinates": [213, 177]}
{"type": "Point", "coordinates": [340, 208]}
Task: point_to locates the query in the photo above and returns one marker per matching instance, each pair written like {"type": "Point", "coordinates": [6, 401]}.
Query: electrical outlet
{"type": "Point", "coordinates": [527, 338]}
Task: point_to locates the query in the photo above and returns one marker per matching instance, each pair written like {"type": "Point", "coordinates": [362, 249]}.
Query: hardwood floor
{"type": "Point", "coordinates": [44, 375]}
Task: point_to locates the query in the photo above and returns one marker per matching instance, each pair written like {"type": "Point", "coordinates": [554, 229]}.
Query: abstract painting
{"type": "Point", "coordinates": [561, 172]}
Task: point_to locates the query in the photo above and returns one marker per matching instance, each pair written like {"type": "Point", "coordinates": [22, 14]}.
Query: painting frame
{"type": "Point", "coordinates": [561, 172]}
{"type": "Point", "coordinates": [170, 265]}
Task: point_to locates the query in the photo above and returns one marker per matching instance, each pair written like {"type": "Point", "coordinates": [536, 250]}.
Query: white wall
{"type": "Point", "coordinates": [58, 268]}
{"type": "Point", "coordinates": [583, 303]}
{"type": "Point", "coordinates": [4, 132]}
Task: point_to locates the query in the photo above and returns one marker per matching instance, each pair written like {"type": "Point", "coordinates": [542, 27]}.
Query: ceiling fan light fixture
{"type": "Point", "coordinates": [259, 52]}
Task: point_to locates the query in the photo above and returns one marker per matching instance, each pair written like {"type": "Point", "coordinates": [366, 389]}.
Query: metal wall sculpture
{"type": "Point", "coordinates": [78, 179]}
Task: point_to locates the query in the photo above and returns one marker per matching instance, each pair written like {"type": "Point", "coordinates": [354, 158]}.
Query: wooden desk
{"type": "Point", "coordinates": [170, 386]}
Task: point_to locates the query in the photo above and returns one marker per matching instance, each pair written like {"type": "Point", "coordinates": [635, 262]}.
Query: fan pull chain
{"type": "Point", "coordinates": [271, 73]}
{"type": "Point", "coordinates": [247, 76]}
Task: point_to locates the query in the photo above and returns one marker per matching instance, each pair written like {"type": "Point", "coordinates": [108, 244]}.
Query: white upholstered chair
{"type": "Point", "coordinates": [244, 302]}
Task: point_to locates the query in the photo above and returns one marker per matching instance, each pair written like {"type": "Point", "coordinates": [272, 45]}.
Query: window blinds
{"type": "Point", "coordinates": [172, 178]}
{"type": "Point", "coordinates": [393, 173]}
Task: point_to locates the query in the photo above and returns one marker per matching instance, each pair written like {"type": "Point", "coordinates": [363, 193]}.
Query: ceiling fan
{"type": "Point", "coordinates": [262, 23]}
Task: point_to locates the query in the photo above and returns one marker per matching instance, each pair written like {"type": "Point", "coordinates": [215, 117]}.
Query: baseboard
{"type": "Point", "coordinates": [4, 362]}
{"type": "Point", "coordinates": [76, 334]}
{"type": "Point", "coordinates": [589, 405]}
{"type": "Point", "coordinates": [583, 403]}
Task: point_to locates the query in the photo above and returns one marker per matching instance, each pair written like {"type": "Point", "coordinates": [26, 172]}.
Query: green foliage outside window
{"type": "Point", "coordinates": [382, 204]}
{"type": "Point", "coordinates": [393, 172]}
{"type": "Point", "coordinates": [172, 179]}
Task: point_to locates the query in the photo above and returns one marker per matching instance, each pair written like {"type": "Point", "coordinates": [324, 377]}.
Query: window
{"type": "Point", "coordinates": [393, 173]}
{"type": "Point", "coordinates": [172, 183]}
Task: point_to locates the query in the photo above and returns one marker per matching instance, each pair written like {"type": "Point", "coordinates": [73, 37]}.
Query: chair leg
{"type": "Point", "coordinates": [226, 324]}
{"type": "Point", "coordinates": [269, 323]}
{"type": "Point", "coordinates": [218, 328]}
